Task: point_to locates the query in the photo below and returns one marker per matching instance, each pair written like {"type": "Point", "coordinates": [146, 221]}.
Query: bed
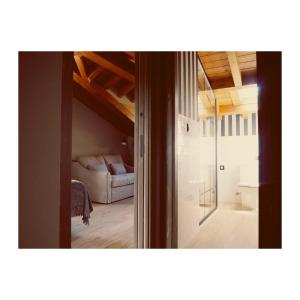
{"type": "Point", "coordinates": [81, 204]}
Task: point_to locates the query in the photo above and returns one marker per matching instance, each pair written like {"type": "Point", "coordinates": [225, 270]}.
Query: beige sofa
{"type": "Point", "coordinates": [97, 174]}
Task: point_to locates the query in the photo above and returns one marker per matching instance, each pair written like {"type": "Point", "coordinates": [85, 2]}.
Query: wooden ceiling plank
{"type": "Point", "coordinates": [246, 58]}
{"type": "Point", "coordinates": [99, 60]}
{"type": "Point", "coordinates": [214, 56]}
{"type": "Point", "coordinates": [248, 65]}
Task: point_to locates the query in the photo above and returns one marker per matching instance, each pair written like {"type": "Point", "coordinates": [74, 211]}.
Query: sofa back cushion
{"type": "Point", "coordinates": [113, 159]}
{"type": "Point", "coordinates": [117, 169]}
{"type": "Point", "coordinates": [93, 163]}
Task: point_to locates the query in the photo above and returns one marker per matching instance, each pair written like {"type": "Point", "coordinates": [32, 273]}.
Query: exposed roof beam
{"type": "Point", "coordinates": [101, 61]}
{"type": "Point", "coordinates": [235, 69]}
{"type": "Point", "coordinates": [243, 109]}
{"type": "Point", "coordinates": [103, 95]}
{"type": "Point", "coordinates": [111, 82]}
{"type": "Point", "coordinates": [80, 66]}
{"type": "Point", "coordinates": [131, 56]}
{"type": "Point", "coordinates": [95, 73]}
{"type": "Point", "coordinates": [124, 90]}
{"type": "Point", "coordinates": [130, 53]}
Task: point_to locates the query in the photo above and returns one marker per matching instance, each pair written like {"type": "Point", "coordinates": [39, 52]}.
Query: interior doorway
{"type": "Point", "coordinates": [103, 153]}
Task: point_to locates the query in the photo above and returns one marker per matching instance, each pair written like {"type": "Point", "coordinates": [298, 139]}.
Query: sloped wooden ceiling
{"type": "Point", "coordinates": [221, 67]}
{"type": "Point", "coordinates": [105, 82]}
{"type": "Point", "coordinates": [232, 76]}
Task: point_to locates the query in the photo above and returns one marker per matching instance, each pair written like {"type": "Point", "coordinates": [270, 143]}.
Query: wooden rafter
{"type": "Point", "coordinates": [235, 69]}
{"type": "Point", "coordinates": [243, 109]}
{"type": "Point", "coordinates": [236, 75]}
{"type": "Point", "coordinates": [131, 95]}
{"type": "Point", "coordinates": [111, 82]}
{"type": "Point", "coordinates": [124, 90]}
{"type": "Point", "coordinates": [103, 95]}
{"type": "Point", "coordinates": [95, 73]}
{"type": "Point", "coordinates": [101, 61]}
{"type": "Point", "coordinates": [80, 66]}
{"type": "Point", "coordinates": [131, 55]}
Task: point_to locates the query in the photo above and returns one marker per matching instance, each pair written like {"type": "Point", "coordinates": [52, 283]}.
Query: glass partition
{"type": "Point", "coordinates": [207, 144]}
{"type": "Point", "coordinates": [196, 154]}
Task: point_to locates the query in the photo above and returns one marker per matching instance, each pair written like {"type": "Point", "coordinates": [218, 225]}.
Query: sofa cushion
{"type": "Point", "coordinates": [113, 159]}
{"type": "Point", "coordinates": [117, 169]}
{"type": "Point", "coordinates": [122, 179]}
{"type": "Point", "coordinates": [92, 163]}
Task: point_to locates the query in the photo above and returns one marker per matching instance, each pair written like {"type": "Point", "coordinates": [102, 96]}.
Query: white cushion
{"type": "Point", "coordinates": [92, 163]}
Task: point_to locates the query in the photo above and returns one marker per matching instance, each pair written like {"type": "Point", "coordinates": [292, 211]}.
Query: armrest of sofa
{"type": "Point", "coordinates": [98, 183]}
{"type": "Point", "coordinates": [129, 169]}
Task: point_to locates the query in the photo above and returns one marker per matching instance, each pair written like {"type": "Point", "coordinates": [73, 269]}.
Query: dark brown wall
{"type": "Point", "coordinates": [269, 118]}
{"type": "Point", "coordinates": [40, 111]}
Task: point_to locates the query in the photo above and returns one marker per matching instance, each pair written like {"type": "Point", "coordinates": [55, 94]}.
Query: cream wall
{"type": "Point", "coordinates": [92, 135]}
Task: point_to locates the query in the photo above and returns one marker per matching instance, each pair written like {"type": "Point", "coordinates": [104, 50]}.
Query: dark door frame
{"type": "Point", "coordinates": [157, 72]}
{"type": "Point", "coordinates": [66, 151]}
{"type": "Point", "coordinates": [269, 122]}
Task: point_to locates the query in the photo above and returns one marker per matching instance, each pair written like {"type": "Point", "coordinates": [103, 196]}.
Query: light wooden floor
{"type": "Point", "coordinates": [111, 226]}
{"type": "Point", "coordinates": [228, 227]}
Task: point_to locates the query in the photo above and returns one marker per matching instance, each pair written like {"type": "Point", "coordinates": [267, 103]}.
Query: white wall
{"type": "Point", "coordinates": [235, 152]}
{"type": "Point", "coordinates": [92, 135]}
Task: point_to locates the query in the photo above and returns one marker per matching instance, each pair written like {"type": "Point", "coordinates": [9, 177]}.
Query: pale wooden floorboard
{"type": "Point", "coordinates": [111, 226]}
{"type": "Point", "coordinates": [228, 227]}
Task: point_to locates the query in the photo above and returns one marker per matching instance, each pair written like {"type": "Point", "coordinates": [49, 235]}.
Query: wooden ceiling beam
{"type": "Point", "coordinates": [131, 95]}
{"type": "Point", "coordinates": [103, 96]}
{"type": "Point", "coordinates": [111, 82]}
{"type": "Point", "coordinates": [106, 64]}
{"type": "Point", "coordinates": [235, 69]}
{"type": "Point", "coordinates": [80, 66]}
{"type": "Point", "coordinates": [243, 109]}
{"type": "Point", "coordinates": [236, 76]}
{"type": "Point", "coordinates": [131, 56]}
{"type": "Point", "coordinates": [125, 89]}
{"type": "Point", "coordinates": [95, 74]}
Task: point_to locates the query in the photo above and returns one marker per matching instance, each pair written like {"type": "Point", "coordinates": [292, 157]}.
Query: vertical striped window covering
{"type": "Point", "coordinates": [230, 125]}
{"type": "Point", "coordinates": [236, 125]}
{"type": "Point", "coordinates": [223, 126]}
{"type": "Point", "coordinates": [187, 89]}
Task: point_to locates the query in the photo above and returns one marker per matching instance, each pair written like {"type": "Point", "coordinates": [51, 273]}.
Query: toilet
{"type": "Point", "coordinates": [248, 185]}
